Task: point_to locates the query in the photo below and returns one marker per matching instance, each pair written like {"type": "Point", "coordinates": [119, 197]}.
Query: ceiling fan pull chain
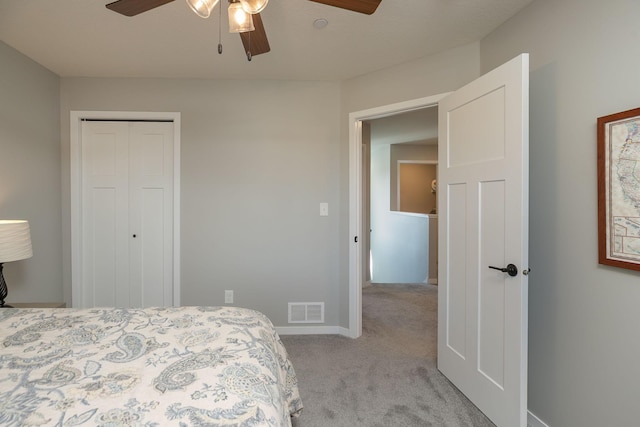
{"type": "Point", "coordinates": [220, 31]}
{"type": "Point", "coordinates": [249, 50]}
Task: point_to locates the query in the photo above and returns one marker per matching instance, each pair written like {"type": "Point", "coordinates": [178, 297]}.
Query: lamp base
{"type": "Point", "coordinates": [3, 290]}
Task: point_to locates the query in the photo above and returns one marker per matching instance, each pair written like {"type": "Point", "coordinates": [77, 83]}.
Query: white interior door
{"type": "Point", "coordinates": [483, 223]}
{"type": "Point", "coordinates": [105, 199]}
{"type": "Point", "coordinates": [151, 213]}
{"type": "Point", "coordinates": [127, 214]}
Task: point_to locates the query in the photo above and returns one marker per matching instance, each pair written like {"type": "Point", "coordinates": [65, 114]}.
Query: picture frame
{"type": "Point", "coordinates": [618, 138]}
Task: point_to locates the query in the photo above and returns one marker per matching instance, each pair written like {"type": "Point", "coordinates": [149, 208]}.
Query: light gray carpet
{"type": "Point", "coordinates": [387, 377]}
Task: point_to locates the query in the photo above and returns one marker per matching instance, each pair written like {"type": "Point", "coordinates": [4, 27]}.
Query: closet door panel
{"type": "Point", "coordinates": [104, 214]}
{"type": "Point", "coordinates": [151, 207]}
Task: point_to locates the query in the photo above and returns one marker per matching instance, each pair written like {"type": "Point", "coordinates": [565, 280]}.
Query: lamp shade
{"type": "Point", "coordinates": [239, 20]}
{"type": "Point", "coordinates": [202, 8]}
{"type": "Point", "coordinates": [253, 6]}
{"type": "Point", "coordinates": [15, 240]}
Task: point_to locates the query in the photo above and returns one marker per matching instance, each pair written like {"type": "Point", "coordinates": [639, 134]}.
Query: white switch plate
{"type": "Point", "coordinates": [324, 209]}
{"type": "Point", "coordinates": [228, 297]}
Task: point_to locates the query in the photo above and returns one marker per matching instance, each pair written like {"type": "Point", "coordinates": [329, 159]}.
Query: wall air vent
{"type": "Point", "coordinates": [306, 312]}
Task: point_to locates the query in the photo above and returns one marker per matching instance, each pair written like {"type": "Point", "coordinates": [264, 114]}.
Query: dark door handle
{"type": "Point", "coordinates": [511, 269]}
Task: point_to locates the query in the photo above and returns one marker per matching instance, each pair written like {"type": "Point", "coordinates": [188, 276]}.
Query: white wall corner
{"type": "Point", "coordinates": [533, 421]}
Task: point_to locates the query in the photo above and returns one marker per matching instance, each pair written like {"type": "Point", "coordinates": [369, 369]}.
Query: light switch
{"type": "Point", "coordinates": [324, 209]}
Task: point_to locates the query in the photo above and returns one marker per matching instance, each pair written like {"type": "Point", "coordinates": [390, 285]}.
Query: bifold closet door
{"type": "Point", "coordinates": [127, 214]}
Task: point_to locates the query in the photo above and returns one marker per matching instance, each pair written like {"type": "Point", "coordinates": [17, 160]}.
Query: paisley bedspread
{"type": "Point", "coordinates": [182, 366]}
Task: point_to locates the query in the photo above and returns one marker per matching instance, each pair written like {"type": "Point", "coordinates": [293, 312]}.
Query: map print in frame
{"type": "Point", "coordinates": [619, 189]}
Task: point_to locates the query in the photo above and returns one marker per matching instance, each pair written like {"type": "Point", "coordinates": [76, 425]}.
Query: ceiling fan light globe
{"type": "Point", "coordinates": [239, 20]}
{"type": "Point", "coordinates": [202, 8]}
{"type": "Point", "coordinates": [253, 6]}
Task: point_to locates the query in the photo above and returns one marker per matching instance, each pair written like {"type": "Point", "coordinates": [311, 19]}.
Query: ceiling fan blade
{"type": "Point", "coordinates": [256, 41]}
{"type": "Point", "coordinates": [134, 7]}
{"type": "Point", "coordinates": [361, 6]}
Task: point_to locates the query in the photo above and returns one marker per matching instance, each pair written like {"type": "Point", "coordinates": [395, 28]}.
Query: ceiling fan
{"type": "Point", "coordinates": [254, 39]}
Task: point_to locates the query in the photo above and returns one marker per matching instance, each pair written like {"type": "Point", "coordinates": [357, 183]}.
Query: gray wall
{"type": "Point", "coordinates": [30, 173]}
{"type": "Point", "coordinates": [400, 248]}
{"type": "Point", "coordinates": [251, 183]}
{"type": "Point", "coordinates": [408, 152]}
{"type": "Point", "coordinates": [583, 317]}
{"type": "Point", "coordinates": [252, 178]}
{"type": "Point", "coordinates": [399, 241]}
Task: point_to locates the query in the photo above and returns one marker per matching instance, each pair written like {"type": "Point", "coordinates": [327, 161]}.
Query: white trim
{"type": "Point", "coordinates": [312, 330]}
{"type": "Point", "coordinates": [419, 162]}
{"type": "Point", "coordinates": [419, 215]}
{"type": "Point", "coordinates": [533, 421]}
{"type": "Point", "coordinates": [76, 118]}
{"type": "Point", "coordinates": [355, 196]}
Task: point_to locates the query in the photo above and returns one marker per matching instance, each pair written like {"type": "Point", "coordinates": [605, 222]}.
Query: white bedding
{"type": "Point", "coordinates": [183, 366]}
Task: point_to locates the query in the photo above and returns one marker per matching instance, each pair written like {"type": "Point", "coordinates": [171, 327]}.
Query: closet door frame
{"type": "Point", "coordinates": [76, 190]}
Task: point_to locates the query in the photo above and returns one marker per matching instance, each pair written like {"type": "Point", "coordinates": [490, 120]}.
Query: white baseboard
{"type": "Point", "coordinates": [533, 421]}
{"type": "Point", "coordinates": [312, 330]}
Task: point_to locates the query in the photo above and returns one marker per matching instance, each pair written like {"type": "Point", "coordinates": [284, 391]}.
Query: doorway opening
{"type": "Point", "coordinates": [400, 188]}
{"type": "Point", "coordinates": [359, 137]}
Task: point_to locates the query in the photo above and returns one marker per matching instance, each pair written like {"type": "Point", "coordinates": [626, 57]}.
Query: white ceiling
{"type": "Point", "coordinates": [81, 38]}
{"type": "Point", "coordinates": [411, 127]}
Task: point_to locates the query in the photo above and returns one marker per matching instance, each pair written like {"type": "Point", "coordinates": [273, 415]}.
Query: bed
{"type": "Point", "coordinates": [182, 366]}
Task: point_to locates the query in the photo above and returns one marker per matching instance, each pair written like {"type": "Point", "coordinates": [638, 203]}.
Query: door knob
{"type": "Point", "coordinates": [510, 269]}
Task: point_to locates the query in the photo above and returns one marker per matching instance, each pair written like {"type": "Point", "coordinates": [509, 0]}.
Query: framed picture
{"type": "Point", "coordinates": [619, 189]}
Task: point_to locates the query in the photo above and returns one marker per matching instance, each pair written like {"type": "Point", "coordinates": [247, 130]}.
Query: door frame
{"type": "Point", "coordinates": [356, 210]}
{"type": "Point", "coordinates": [76, 189]}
